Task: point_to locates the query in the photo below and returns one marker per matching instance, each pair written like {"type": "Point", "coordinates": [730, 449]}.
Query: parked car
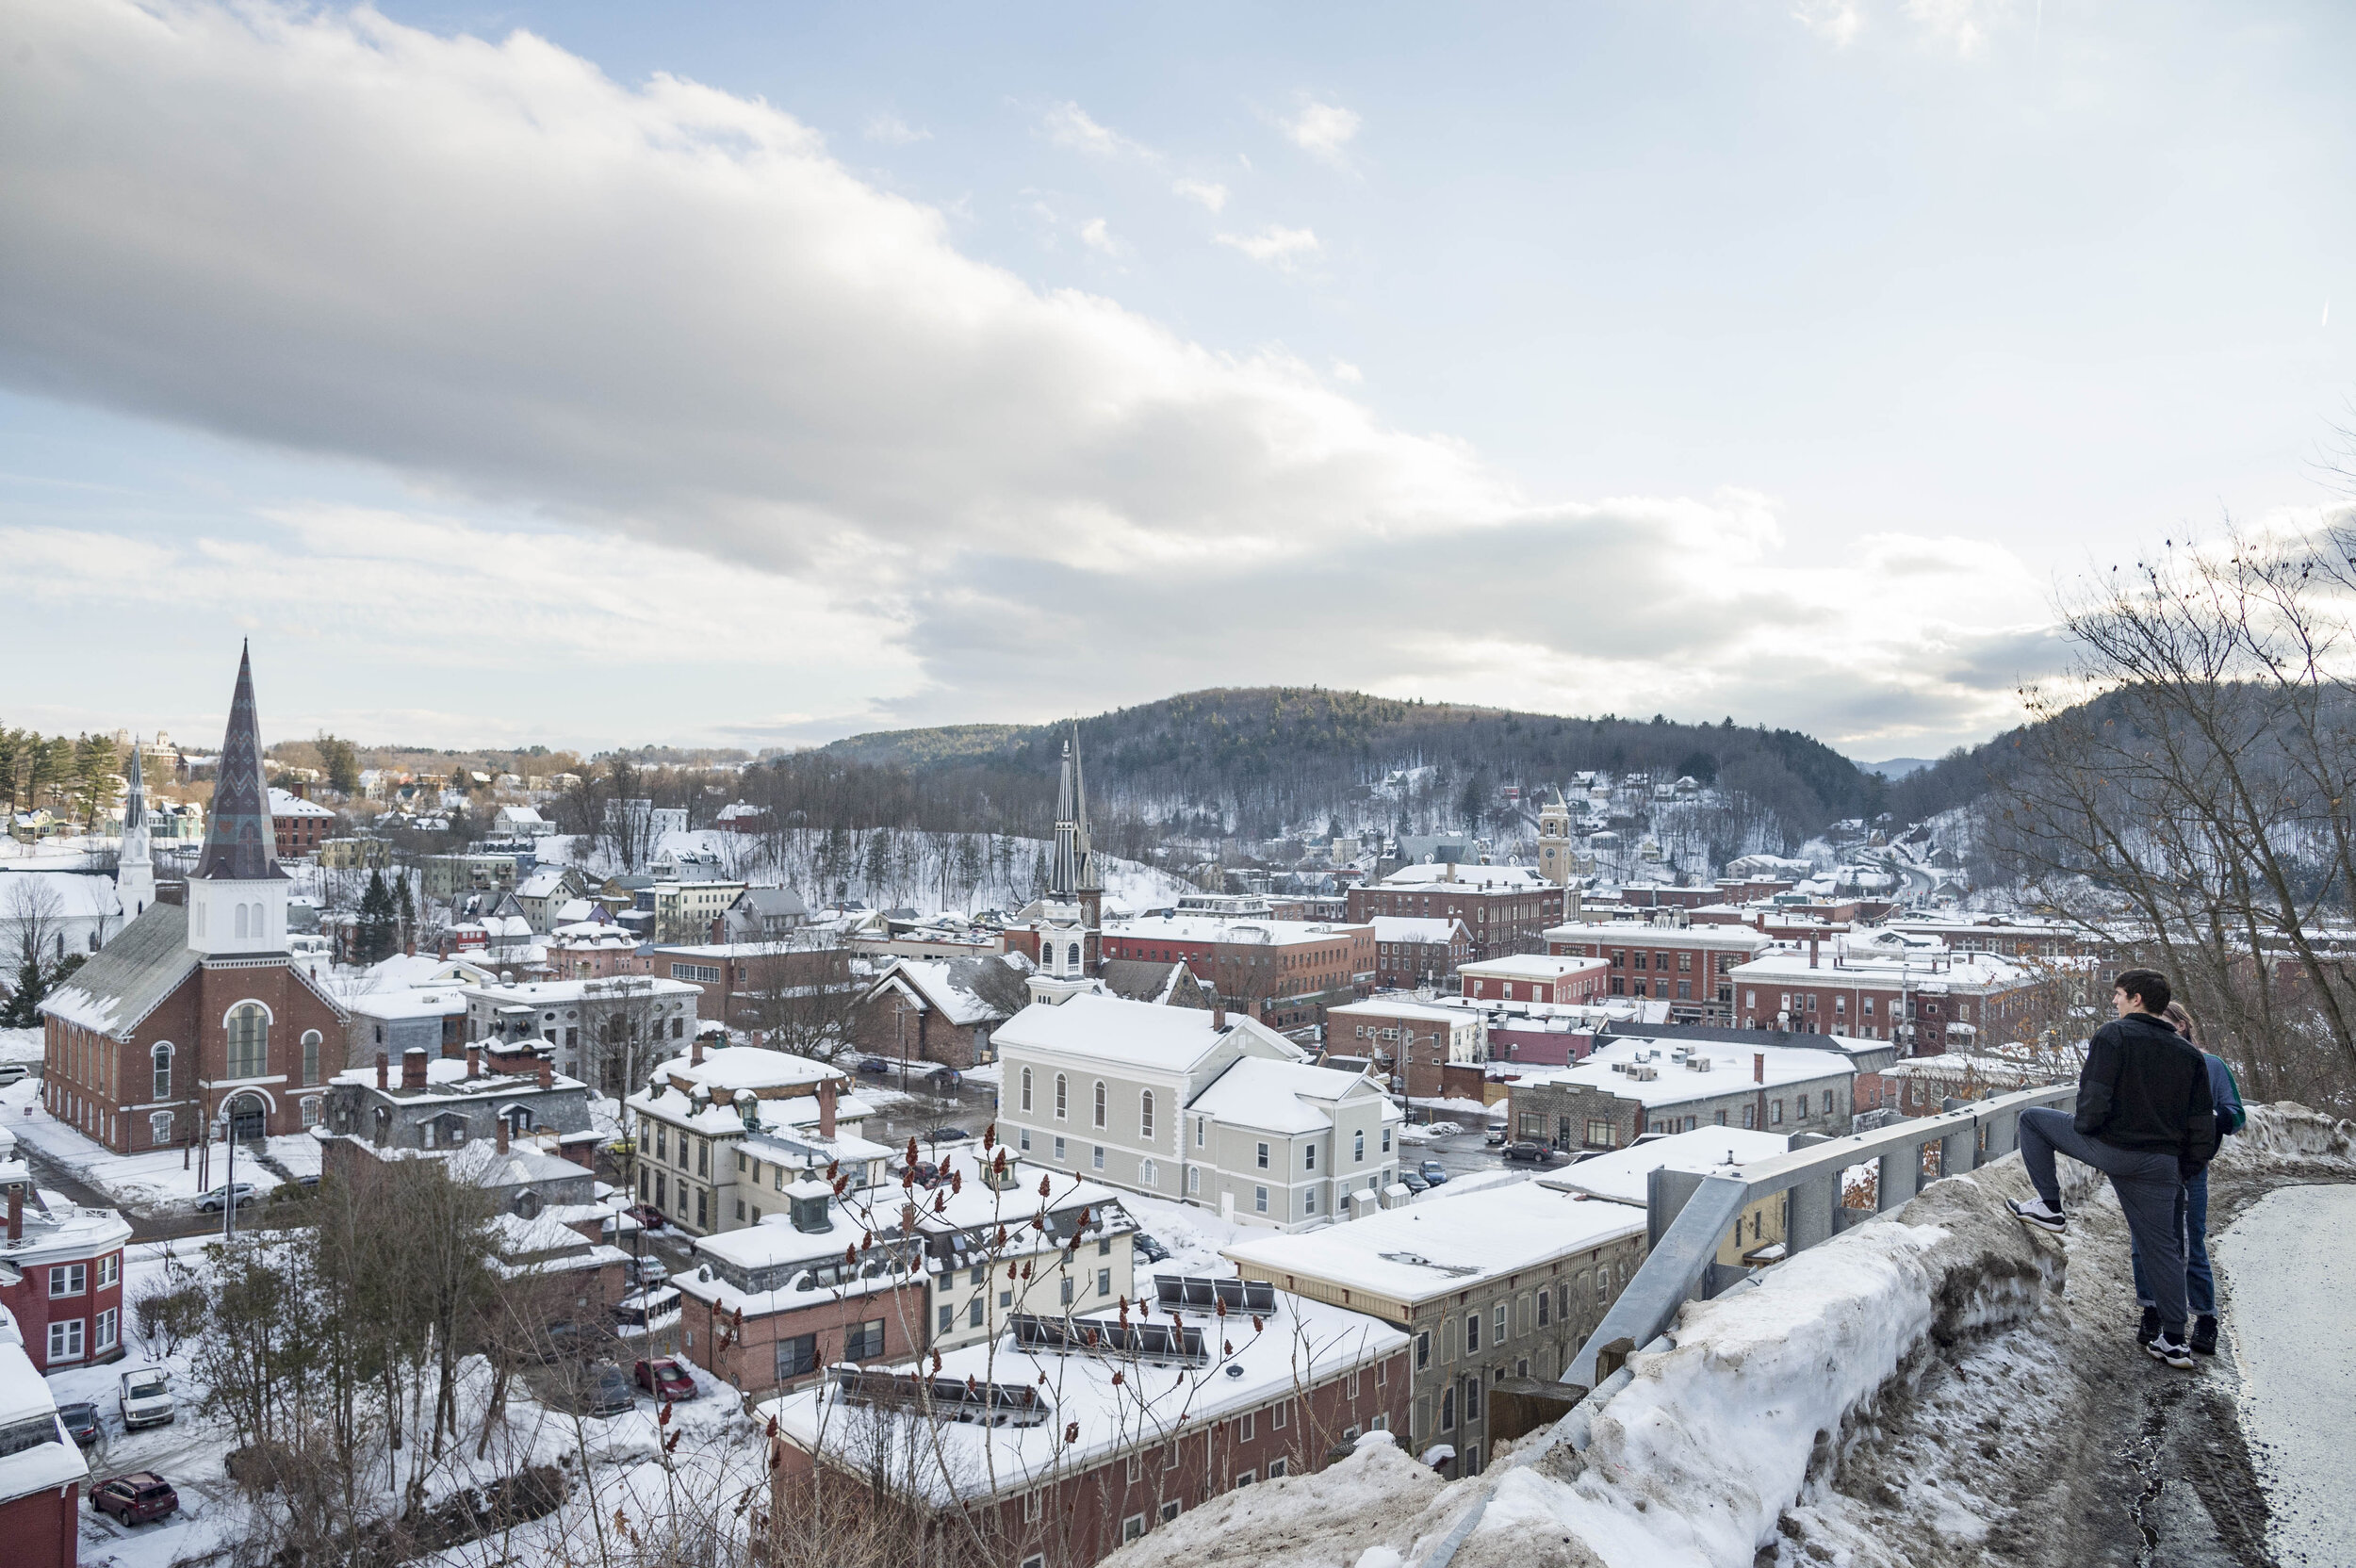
{"type": "Point", "coordinates": [1149, 1249]}
{"type": "Point", "coordinates": [665, 1379]}
{"type": "Point", "coordinates": [649, 1270]}
{"type": "Point", "coordinates": [81, 1421]}
{"type": "Point", "coordinates": [1434, 1173]}
{"type": "Point", "coordinates": [138, 1498]}
{"type": "Point", "coordinates": [1441, 1128]}
{"type": "Point", "coordinates": [241, 1193]}
{"type": "Point", "coordinates": [1413, 1181]}
{"type": "Point", "coordinates": [874, 1066]}
{"type": "Point", "coordinates": [13, 1073]}
{"type": "Point", "coordinates": [144, 1396]}
{"type": "Point", "coordinates": [648, 1217]}
{"type": "Point", "coordinates": [1534, 1153]}
{"type": "Point", "coordinates": [947, 1134]}
{"type": "Point", "coordinates": [610, 1392]}
{"type": "Point", "coordinates": [1497, 1138]}
{"type": "Point", "coordinates": [946, 1078]}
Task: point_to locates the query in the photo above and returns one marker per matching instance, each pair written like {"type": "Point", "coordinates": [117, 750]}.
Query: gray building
{"type": "Point", "coordinates": [427, 1101]}
{"type": "Point", "coordinates": [1630, 1087]}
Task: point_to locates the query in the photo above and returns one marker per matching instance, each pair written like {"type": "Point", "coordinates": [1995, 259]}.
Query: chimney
{"type": "Point", "coordinates": [825, 1107]}
{"type": "Point", "coordinates": [16, 1212]}
{"type": "Point", "coordinates": [383, 1071]}
{"type": "Point", "coordinates": [412, 1068]}
{"type": "Point", "coordinates": [548, 1072]}
{"type": "Point", "coordinates": [1812, 939]}
{"type": "Point", "coordinates": [696, 1053]}
{"type": "Point", "coordinates": [501, 1122]}
{"type": "Point", "coordinates": [409, 948]}
{"type": "Point", "coordinates": [1219, 1017]}
{"type": "Point", "coordinates": [474, 1060]}
{"type": "Point", "coordinates": [1759, 1066]}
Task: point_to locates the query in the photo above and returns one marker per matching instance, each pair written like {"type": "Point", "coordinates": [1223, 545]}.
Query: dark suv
{"type": "Point", "coordinates": [1536, 1154]}
{"type": "Point", "coordinates": [139, 1499]}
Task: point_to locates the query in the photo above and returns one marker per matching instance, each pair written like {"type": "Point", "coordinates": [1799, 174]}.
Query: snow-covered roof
{"type": "Point", "coordinates": [1443, 1245]}
{"type": "Point", "coordinates": [25, 1395]}
{"type": "Point", "coordinates": [1214, 928]}
{"type": "Point", "coordinates": [1732, 1068]}
{"type": "Point", "coordinates": [962, 991]}
{"type": "Point", "coordinates": [1531, 966]}
{"type": "Point", "coordinates": [1112, 1028]}
{"type": "Point", "coordinates": [130, 977]}
{"type": "Point", "coordinates": [726, 1070]}
{"type": "Point", "coordinates": [1639, 933]}
{"type": "Point", "coordinates": [445, 1078]}
{"type": "Point", "coordinates": [1116, 1402]}
{"type": "Point", "coordinates": [550, 993]}
{"type": "Point", "coordinates": [1883, 957]}
{"type": "Point", "coordinates": [411, 969]}
{"type": "Point", "coordinates": [286, 803]}
{"type": "Point", "coordinates": [1485, 878]}
{"type": "Point", "coordinates": [407, 1002]}
{"type": "Point", "coordinates": [1621, 1175]}
{"type": "Point", "coordinates": [1282, 1097]}
{"type": "Point", "coordinates": [1414, 928]}
{"type": "Point", "coordinates": [1403, 1005]}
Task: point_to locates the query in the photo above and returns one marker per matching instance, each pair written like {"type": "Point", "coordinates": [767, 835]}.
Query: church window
{"type": "Point", "coordinates": [249, 1040]}
{"type": "Point", "coordinates": [163, 1070]}
{"type": "Point", "coordinates": [310, 1055]}
{"type": "Point", "coordinates": [1026, 1088]}
{"type": "Point", "coordinates": [1145, 1114]}
{"type": "Point", "coordinates": [1101, 1098]}
{"type": "Point", "coordinates": [240, 922]}
{"type": "Point", "coordinates": [1062, 1097]}
{"type": "Point", "coordinates": [1072, 957]}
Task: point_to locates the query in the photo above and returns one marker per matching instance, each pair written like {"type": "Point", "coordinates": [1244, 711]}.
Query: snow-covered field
{"type": "Point", "coordinates": [160, 1179]}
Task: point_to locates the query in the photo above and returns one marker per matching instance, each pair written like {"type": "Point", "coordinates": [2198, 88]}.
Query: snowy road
{"type": "Point", "coordinates": [2291, 1309]}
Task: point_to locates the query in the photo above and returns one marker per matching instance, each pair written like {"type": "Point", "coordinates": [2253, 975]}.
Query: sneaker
{"type": "Point", "coordinates": [2035, 1212]}
{"type": "Point", "coordinates": [2205, 1335]}
{"type": "Point", "coordinates": [2148, 1330]}
{"type": "Point", "coordinates": [2171, 1350]}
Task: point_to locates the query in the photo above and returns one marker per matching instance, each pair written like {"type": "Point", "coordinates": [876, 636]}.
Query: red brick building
{"type": "Point", "coordinates": [298, 824]}
{"type": "Point", "coordinates": [1410, 951]}
{"type": "Point", "coordinates": [1283, 972]}
{"type": "Point", "coordinates": [1555, 980]}
{"type": "Point", "coordinates": [1688, 965]}
{"type": "Point", "coordinates": [194, 1013]}
{"type": "Point", "coordinates": [1412, 1038]}
{"type": "Point", "coordinates": [1887, 986]}
{"type": "Point", "coordinates": [61, 1275]}
{"type": "Point", "coordinates": [42, 1472]}
{"type": "Point", "coordinates": [1505, 909]}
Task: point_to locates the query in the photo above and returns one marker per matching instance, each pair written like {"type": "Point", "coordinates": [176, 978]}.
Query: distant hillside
{"type": "Point", "coordinates": [1898, 767]}
{"type": "Point", "coordinates": [1265, 759]}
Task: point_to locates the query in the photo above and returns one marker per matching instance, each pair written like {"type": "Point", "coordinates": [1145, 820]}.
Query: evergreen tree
{"type": "Point", "coordinates": [373, 940]}
{"type": "Point", "coordinates": [405, 908]}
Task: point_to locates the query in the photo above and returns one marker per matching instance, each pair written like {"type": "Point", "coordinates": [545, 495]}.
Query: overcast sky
{"type": "Point", "coordinates": [746, 374]}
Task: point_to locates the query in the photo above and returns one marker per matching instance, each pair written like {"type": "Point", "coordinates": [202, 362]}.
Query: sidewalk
{"type": "Point", "coordinates": [147, 1181]}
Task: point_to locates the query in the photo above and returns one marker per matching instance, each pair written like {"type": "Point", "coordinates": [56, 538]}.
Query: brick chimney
{"type": "Point", "coordinates": [825, 1107]}
{"type": "Point", "coordinates": [412, 1068]}
{"type": "Point", "coordinates": [547, 1073]}
{"type": "Point", "coordinates": [409, 948]}
{"type": "Point", "coordinates": [1759, 1066]}
{"type": "Point", "coordinates": [474, 1060]}
{"type": "Point", "coordinates": [500, 1124]}
{"type": "Point", "coordinates": [1219, 1017]}
{"type": "Point", "coordinates": [696, 1053]}
{"type": "Point", "coordinates": [1812, 940]}
{"type": "Point", "coordinates": [383, 1070]}
{"type": "Point", "coordinates": [16, 1213]}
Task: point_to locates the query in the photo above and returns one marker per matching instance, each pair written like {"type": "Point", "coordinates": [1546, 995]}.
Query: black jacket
{"type": "Point", "coordinates": [2145, 1088]}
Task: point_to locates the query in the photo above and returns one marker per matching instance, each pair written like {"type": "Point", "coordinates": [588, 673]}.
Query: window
{"type": "Point", "coordinates": [1250, 1424]}
{"type": "Point", "coordinates": [1100, 1103]}
{"type": "Point", "coordinates": [1423, 1350]}
{"type": "Point", "coordinates": [1169, 1512]}
{"type": "Point", "coordinates": [948, 1320]}
{"type": "Point", "coordinates": [1472, 1398]}
{"type": "Point", "coordinates": [974, 1313]}
{"type": "Point", "coordinates": [1022, 1138]}
{"type": "Point", "coordinates": [1472, 1333]}
{"type": "Point", "coordinates": [1059, 1150]}
{"type": "Point", "coordinates": [1069, 1292]}
{"type": "Point", "coordinates": [1447, 1410]}
{"type": "Point", "coordinates": [1500, 1336]}
{"type": "Point", "coordinates": [163, 1075]}
{"type": "Point", "coordinates": [68, 1279]}
{"type": "Point", "coordinates": [1072, 955]}
{"type": "Point", "coordinates": [1600, 1132]}
{"type": "Point", "coordinates": [65, 1340]}
{"type": "Point", "coordinates": [1026, 1088]}
{"type": "Point", "coordinates": [1194, 1179]}
{"type": "Point", "coordinates": [1309, 1202]}
{"type": "Point", "coordinates": [311, 1112]}
{"type": "Point", "coordinates": [1544, 1299]}
{"type": "Point", "coordinates": [1096, 1156]}
{"type": "Point", "coordinates": [249, 1040]}
{"type": "Point", "coordinates": [797, 1356]}
{"type": "Point", "coordinates": [1200, 1123]}
{"type": "Point", "coordinates": [1246, 1479]}
{"type": "Point", "coordinates": [1311, 1152]}
{"type": "Point", "coordinates": [104, 1329]}
{"type": "Point", "coordinates": [1259, 1199]}
{"type": "Point", "coordinates": [1062, 1097]}
{"type": "Point", "coordinates": [1133, 1527]}
{"type": "Point", "coordinates": [159, 1127]}
{"type": "Point", "coordinates": [1263, 1157]}
{"type": "Point", "coordinates": [1145, 1114]}
{"type": "Point", "coordinates": [1603, 1285]}
{"type": "Point", "coordinates": [310, 1057]}
{"type": "Point", "coordinates": [1828, 1101]}
{"type": "Point", "coordinates": [1750, 1116]}
{"type": "Point", "coordinates": [1358, 1145]}
{"type": "Point", "coordinates": [1033, 1509]}
{"type": "Point", "coordinates": [1277, 1468]}
{"type": "Point", "coordinates": [740, 1211]}
{"type": "Point", "coordinates": [864, 1341]}
{"type": "Point", "coordinates": [1148, 1174]}
{"type": "Point", "coordinates": [1104, 1282]}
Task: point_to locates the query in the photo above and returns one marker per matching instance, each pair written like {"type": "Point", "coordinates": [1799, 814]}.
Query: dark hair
{"type": "Point", "coordinates": [2179, 1016]}
{"type": "Point", "coordinates": [2147, 985]}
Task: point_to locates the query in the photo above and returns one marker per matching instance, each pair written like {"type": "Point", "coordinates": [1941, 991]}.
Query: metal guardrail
{"type": "Point", "coordinates": [1690, 1213]}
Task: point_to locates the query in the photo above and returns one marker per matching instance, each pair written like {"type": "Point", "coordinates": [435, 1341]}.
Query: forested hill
{"type": "Point", "coordinates": [1272, 758]}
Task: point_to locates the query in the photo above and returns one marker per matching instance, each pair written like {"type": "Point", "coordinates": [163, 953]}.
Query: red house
{"type": "Point", "coordinates": [42, 1472]}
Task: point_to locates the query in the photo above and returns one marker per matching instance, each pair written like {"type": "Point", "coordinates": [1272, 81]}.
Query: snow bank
{"type": "Point", "coordinates": [1348, 1515]}
{"type": "Point", "coordinates": [21, 1045]}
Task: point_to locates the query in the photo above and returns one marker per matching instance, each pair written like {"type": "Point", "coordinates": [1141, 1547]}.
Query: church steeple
{"type": "Point", "coordinates": [135, 868]}
{"type": "Point", "coordinates": [238, 897]}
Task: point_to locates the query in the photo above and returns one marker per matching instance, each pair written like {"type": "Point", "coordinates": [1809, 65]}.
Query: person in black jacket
{"type": "Point", "coordinates": [2145, 1121]}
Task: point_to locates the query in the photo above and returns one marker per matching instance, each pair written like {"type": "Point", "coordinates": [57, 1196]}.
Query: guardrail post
{"type": "Point", "coordinates": [1666, 1193]}
{"type": "Point", "coordinates": [1957, 1149]}
{"type": "Point", "coordinates": [2003, 1136]}
{"type": "Point", "coordinates": [1807, 1205]}
{"type": "Point", "coordinates": [1900, 1178]}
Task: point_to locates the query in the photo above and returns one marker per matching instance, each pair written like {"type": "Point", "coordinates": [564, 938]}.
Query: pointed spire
{"type": "Point", "coordinates": [134, 792]}
{"type": "Point", "coordinates": [1064, 875]}
{"type": "Point", "coordinates": [1089, 880]}
{"type": "Point", "coordinates": [241, 846]}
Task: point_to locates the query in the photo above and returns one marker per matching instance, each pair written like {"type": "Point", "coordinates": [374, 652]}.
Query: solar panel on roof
{"type": "Point", "coordinates": [1099, 1336]}
{"type": "Point", "coordinates": [1201, 1293]}
{"type": "Point", "coordinates": [990, 1404]}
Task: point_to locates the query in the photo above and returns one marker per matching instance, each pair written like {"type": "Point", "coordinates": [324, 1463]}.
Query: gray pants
{"type": "Point", "coordinates": [2150, 1194]}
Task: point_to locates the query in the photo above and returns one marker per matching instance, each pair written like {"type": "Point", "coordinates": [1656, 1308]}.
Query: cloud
{"type": "Point", "coordinates": [1322, 130]}
{"type": "Point", "coordinates": [889, 128]}
{"type": "Point", "coordinates": [1837, 22]}
{"type": "Point", "coordinates": [1344, 371]}
{"type": "Point", "coordinates": [1961, 26]}
{"type": "Point", "coordinates": [1209, 192]}
{"type": "Point", "coordinates": [1275, 246]}
{"type": "Point", "coordinates": [664, 326]}
{"type": "Point", "coordinates": [1070, 125]}
{"type": "Point", "coordinates": [1096, 237]}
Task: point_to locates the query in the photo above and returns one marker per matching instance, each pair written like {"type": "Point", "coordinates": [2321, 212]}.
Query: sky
{"type": "Point", "coordinates": [755, 374]}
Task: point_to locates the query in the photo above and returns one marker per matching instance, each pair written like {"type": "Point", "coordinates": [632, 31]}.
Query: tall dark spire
{"type": "Point", "coordinates": [241, 846]}
{"type": "Point", "coordinates": [134, 792]}
{"type": "Point", "coordinates": [1074, 873]}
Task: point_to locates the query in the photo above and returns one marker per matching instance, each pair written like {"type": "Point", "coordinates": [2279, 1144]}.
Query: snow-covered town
{"type": "Point", "coordinates": [1322, 786]}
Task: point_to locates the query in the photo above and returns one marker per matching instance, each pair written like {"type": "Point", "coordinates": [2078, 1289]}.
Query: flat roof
{"type": "Point", "coordinates": [1621, 1175]}
{"type": "Point", "coordinates": [1730, 1071]}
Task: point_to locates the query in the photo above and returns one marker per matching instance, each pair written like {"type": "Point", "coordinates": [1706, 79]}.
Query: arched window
{"type": "Point", "coordinates": [1145, 1114]}
{"type": "Point", "coordinates": [163, 1075]}
{"type": "Point", "coordinates": [1026, 1088]}
{"type": "Point", "coordinates": [310, 1057]}
{"type": "Point", "coordinates": [1061, 1099]}
{"type": "Point", "coordinates": [1101, 1098]}
{"type": "Point", "coordinates": [249, 1040]}
{"type": "Point", "coordinates": [1148, 1174]}
{"type": "Point", "coordinates": [1072, 957]}
{"type": "Point", "coordinates": [518, 1120]}
{"type": "Point", "coordinates": [160, 1128]}
{"type": "Point", "coordinates": [241, 918]}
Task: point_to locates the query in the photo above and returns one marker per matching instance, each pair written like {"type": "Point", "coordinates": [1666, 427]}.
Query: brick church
{"type": "Point", "coordinates": [193, 1020]}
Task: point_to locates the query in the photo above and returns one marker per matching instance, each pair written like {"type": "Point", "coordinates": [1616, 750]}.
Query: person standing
{"type": "Point", "coordinates": [2146, 1120]}
{"type": "Point", "coordinates": [2200, 1279]}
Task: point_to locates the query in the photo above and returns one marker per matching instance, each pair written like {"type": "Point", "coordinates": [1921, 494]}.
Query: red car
{"type": "Point", "coordinates": [139, 1499]}
{"type": "Point", "coordinates": [665, 1379]}
{"type": "Point", "coordinates": [647, 1215]}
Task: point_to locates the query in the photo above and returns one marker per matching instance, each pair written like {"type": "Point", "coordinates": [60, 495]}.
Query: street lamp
{"type": "Point", "coordinates": [226, 1121]}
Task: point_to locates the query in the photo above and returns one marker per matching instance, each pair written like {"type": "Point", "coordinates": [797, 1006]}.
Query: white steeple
{"type": "Point", "coordinates": [237, 898]}
{"type": "Point", "coordinates": [134, 870]}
